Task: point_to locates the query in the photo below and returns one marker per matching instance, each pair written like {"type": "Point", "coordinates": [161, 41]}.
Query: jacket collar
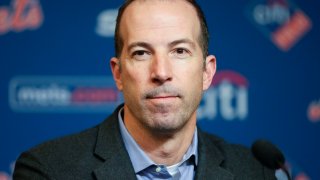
{"type": "Point", "coordinates": [110, 149]}
{"type": "Point", "coordinates": [210, 159]}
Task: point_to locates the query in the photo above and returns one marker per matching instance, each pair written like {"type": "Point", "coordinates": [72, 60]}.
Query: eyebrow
{"type": "Point", "coordinates": [171, 44]}
{"type": "Point", "coordinates": [183, 41]}
{"type": "Point", "coordinates": [139, 44]}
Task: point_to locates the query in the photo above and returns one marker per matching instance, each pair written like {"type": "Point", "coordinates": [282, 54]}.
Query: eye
{"type": "Point", "coordinates": [141, 55]}
{"type": "Point", "coordinates": [181, 53]}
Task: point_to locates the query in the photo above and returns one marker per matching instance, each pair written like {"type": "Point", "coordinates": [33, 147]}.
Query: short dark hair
{"type": "Point", "coordinates": [203, 37]}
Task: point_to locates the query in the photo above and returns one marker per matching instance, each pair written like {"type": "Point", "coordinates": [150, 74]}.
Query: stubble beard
{"type": "Point", "coordinates": [166, 119]}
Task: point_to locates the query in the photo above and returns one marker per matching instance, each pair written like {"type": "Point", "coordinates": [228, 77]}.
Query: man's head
{"type": "Point", "coordinates": [162, 73]}
{"type": "Point", "coordinates": [203, 36]}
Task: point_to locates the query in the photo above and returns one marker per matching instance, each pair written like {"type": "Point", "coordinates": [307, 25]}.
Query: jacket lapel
{"type": "Point", "coordinates": [110, 149]}
{"type": "Point", "coordinates": [117, 164]}
{"type": "Point", "coordinates": [210, 161]}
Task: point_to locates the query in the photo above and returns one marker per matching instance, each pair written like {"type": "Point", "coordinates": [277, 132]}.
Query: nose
{"type": "Point", "coordinates": [161, 70]}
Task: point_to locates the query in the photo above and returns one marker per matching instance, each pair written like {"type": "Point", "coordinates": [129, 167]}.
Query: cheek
{"type": "Point", "coordinates": [193, 72]}
{"type": "Point", "coordinates": [137, 71]}
{"type": "Point", "coordinates": [133, 78]}
{"type": "Point", "coordinates": [191, 80]}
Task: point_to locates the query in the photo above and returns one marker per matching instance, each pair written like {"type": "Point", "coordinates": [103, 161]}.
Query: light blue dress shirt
{"type": "Point", "coordinates": [145, 168]}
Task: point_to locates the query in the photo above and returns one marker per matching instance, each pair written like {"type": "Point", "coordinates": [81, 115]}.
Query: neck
{"type": "Point", "coordinates": [163, 148]}
{"type": "Point", "coordinates": [167, 150]}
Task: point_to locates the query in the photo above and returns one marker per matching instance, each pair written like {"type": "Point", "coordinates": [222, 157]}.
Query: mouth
{"type": "Point", "coordinates": [163, 94]}
{"type": "Point", "coordinates": [163, 98]}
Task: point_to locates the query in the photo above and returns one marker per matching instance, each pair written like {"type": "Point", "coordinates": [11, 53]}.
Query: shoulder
{"type": "Point", "coordinates": [57, 157]}
{"type": "Point", "coordinates": [70, 144]}
{"type": "Point", "coordinates": [235, 158]}
{"type": "Point", "coordinates": [227, 149]}
{"type": "Point", "coordinates": [77, 145]}
{"type": "Point", "coordinates": [221, 144]}
{"type": "Point", "coordinates": [220, 147]}
{"type": "Point", "coordinates": [69, 156]}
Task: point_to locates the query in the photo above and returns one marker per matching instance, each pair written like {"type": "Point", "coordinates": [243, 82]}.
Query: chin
{"type": "Point", "coordinates": [166, 126]}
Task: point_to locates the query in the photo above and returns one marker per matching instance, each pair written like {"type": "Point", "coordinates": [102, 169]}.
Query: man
{"type": "Point", "coordinates": [162, 68]}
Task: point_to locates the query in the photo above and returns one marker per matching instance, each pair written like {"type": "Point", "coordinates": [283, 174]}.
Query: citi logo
{"type": "Point", "coordinates": [276, 12]}
{"type": "Point", "coordinates": [227, 97]}
{"type": "Point", "coordinates": [22, 15]}
{"type": "Point", "coordinates": [280, 20]}
{"type": "Point", "coordinates": [106, 23]}
{"type": "Point", "coordinates": [314, 111]}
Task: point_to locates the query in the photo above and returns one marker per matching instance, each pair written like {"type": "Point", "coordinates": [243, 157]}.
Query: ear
{"type": "Point", "coordinates": [116, 72]}
{"type": "Point", "coordinates": [209, 71]}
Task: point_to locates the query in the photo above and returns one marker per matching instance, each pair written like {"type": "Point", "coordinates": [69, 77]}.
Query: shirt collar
{"type": "Point", "coordinates": [138, 157]}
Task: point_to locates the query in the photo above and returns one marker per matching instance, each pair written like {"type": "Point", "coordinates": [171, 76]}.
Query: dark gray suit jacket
{"type": "Point", "coordinates": [99, 153]}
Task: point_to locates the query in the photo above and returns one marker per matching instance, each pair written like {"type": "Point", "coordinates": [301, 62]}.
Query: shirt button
{"type": "Point", "coordinates": [158, 169]}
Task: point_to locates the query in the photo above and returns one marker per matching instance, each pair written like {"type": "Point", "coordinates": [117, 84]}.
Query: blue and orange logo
{"type": "Point", "coordinates": [22, 15]}
{"type": "Point", "coordinates": [279, 20]}
{"type": "Point", "coordinates": [77, 94]}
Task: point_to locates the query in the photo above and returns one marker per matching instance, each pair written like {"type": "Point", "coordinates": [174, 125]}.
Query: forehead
{"type": "Point", "coordinates": [159, 17]}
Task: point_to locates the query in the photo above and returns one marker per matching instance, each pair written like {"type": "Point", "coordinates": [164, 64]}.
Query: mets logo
{"type": "Point", "coordinates": [280, 20]}
{"type": "Point", "coordinates": [73, 94]}
{"type": "Point", "coordinates": [22, 15]}
{"type": "Point", "coordinates": [227, 97]}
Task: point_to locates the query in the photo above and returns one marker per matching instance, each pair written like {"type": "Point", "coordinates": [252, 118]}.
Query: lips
{"type": "Point", "coordinates": [163, 96]}
{"type": "Point", "coordinates": [163, 92]}
{"type": "Point", "coordinates": [162, 99]}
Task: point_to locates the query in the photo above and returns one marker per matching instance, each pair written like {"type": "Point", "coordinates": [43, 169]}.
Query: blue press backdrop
{"type": "Point", "coordinates": [56, 80]}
